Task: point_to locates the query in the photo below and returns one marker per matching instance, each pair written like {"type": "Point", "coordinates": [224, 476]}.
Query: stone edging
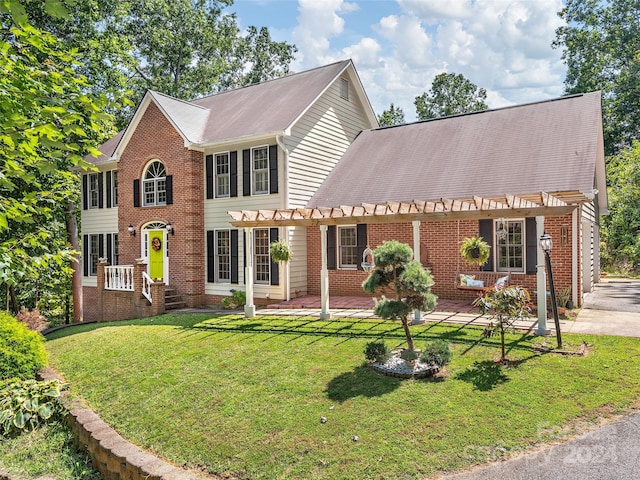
{"type": "Point", "coordinates": [113, 456]}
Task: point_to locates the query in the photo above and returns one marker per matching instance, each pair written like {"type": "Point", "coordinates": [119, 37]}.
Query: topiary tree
{"type": "Point", "coordinates": [410, 282]}
{"type": "Point", "coordinates": [506, 305]}
{"type": "Point", "coordinates": [22, 351]}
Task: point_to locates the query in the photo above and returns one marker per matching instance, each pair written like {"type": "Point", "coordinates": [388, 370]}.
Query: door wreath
{"type": "Point", "coordinates": [156, 244]}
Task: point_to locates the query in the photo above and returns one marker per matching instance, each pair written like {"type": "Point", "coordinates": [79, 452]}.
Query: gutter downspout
{"type": "Point", "coordinates": [285, 205]}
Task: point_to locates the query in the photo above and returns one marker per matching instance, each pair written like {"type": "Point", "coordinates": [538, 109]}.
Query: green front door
{"type": "Point", "coordinates": [156, 249]}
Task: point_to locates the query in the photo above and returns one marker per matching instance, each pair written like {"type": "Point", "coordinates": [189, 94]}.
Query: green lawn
{"type": "Point", "coordinates": [245, 396]}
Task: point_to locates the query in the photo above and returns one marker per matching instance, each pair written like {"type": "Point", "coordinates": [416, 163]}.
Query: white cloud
{"type": "Point", "coordinates": [411, 44]}
{"type": "Point", "coordinates": [364, 54]}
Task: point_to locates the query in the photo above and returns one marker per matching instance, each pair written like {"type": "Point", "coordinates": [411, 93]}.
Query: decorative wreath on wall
{"type": "Point", "coordinates": [156, 244]}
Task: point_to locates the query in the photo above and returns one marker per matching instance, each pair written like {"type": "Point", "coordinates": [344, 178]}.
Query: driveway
{"type": "Point", "coordinates": [618, 295]}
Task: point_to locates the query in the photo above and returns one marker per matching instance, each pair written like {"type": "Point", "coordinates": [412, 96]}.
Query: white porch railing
{"type": "Point", "coordinates": [146, 286]}
{"type": "Point", "coordinates": [119, 277]}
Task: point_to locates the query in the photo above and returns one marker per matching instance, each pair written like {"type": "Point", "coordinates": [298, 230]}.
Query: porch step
{"type": "Point", "coordinates": [172, 299]}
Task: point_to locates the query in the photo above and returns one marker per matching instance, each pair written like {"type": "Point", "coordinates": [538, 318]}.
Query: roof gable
{"type": "Point", "coordinates": [547, 146]}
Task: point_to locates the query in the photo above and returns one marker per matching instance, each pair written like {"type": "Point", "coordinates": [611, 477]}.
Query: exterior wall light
{"type": "Point", "coordinates": [131, 230]}
{"type": "Point", "coordinates": [170, 229]}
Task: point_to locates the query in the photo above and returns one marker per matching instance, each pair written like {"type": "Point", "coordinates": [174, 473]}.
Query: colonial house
{"type": "Point", "coordinates": [189, 197]}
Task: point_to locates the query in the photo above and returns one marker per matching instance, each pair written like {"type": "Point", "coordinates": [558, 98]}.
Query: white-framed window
{"type": "Point", "coordinates": [223, 256]}
{"type": "Point", "coordinates": [155, 184]}
{"type": "Point", "coordinates": [510, 244]}
{"type": "Point", "coordinates": [114, 188]}
{"type": "Point", "coordinates": [94, 191]}
{"type": "Point", "coordinates": [94, 254]}
{"type": "Point", "coordinates": [344, 88]}
{"type": "Point", "coordinates": [115, 257]}
{"type": "Point", "coordinates": [262, 259]}
{"type": "Point", "coordinates": [260, 170]}
{"type": "Point", "coordinates": [222, 174]}
{"type": "Point", "coordinates": [347, 247]}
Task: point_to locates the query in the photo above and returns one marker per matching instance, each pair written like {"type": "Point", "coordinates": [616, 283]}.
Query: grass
{"type": "Point", "coordinates": [244, 396]}
{"type": "Point", "coordinates": [46, 451]}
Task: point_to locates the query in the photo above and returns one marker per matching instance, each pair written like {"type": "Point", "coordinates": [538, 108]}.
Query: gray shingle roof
{"type": "Point", "coordinates": [549, 146]}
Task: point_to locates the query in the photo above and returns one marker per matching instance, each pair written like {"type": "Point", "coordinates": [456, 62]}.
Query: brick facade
{"type": "Point", "coordinates": [439, 244]}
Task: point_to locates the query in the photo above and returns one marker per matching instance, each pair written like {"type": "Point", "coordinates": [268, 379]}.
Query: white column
{"type": "Point", "coordinates": [324, 276]}
{"type": "Point", "coordinates": [417, 315]}
{"type": "Point", "coordinates": [249, 307]}
{"type": "Point", "coordinates": [287, 267]}
{"type": "Point", "coordinates": [542, 281]}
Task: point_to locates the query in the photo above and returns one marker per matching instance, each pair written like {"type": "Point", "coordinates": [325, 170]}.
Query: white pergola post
{"type": "Point", "coordinates": [417, 314]}
{"type": "Point", "coordinates": [249, 307]}
{"type": "Point", "coordinates": [325, 314]}
{"type": "Point", "coordinates": [542, 281]}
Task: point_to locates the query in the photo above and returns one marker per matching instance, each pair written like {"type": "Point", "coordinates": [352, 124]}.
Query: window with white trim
{"type": "Point", "coordinates": [222, 174]}
{"type": "Point", "coordinates": [510, 245]}
{"type": "Point", "coordinates": [114, 188]}
{"type": "Point", "coordinates": [260, 170]}
{"type": "Point", "coordinates": [94, 254]}
{"type": "Point", "coordinates": [348, 247]}
{"type": "Point", "coordinates": [94, 191]}
{"type": "Point", "coordinates": [155, 184]}
{"type": "Point", "coordinates": [262, 259]}
{"type": "Point", "coordinates": [223, 256]}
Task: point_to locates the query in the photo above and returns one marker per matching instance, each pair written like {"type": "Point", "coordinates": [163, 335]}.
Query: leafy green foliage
{"type": "Point", "coordinates": [393, 116]}
{"type": "Point", "coordinates": [601, 47]}
{"type": "Point", "coordinates": [376, 351]}
{"type": "Point", "coordinates": [28, 404]}
{"type": "Point", "coordinates": [450, 94]}
{"type": "Point", "coordinates": [411, 283]}
{"type": "Point", "coordinates": [620, 229]}
{"type": "Point", "coordinates": [237, 299]}
{"type": "Point", "coordinates": [409, 355]}
{"type": "Point", "coordinates": [22, 351]}
{"type": "Point", "coordinates": [505, 305]}
{"type": "Point", "coordinates": [475, 250]}
{"type": "Point", "coordinates": [437, 352]}
{"type": "Point", "coordinates": [280, 251]}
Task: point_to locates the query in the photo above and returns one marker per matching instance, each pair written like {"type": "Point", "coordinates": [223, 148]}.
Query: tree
{"type": "Point", "coordinates": [506, 305]}
{"type": "Point", "coordinates": [601, 47]}
{"type": "Point", "coordinates": [49, 120]}
{"type": "Point", "coordinates": [450, 94]}
{"type": "Point", "coordinates": [393, 116]}
{"type": "Point", "coordinates": [411, 284]}
{"type": "Point", "coordinates": [621, 228]}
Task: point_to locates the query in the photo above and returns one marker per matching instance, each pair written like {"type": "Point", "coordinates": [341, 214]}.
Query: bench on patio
{"type": "Point", "coordinates": [481, 281]}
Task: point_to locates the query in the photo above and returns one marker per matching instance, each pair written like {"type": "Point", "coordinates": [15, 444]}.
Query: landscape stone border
{"type": "Point", "coordinates": [113, 456]}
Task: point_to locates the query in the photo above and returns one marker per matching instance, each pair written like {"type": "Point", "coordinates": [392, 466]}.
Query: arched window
{"type": "Point", "coordinates": [155, 184]}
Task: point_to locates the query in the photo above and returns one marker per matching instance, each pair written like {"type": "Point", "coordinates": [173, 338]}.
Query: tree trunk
{"type": "Point", "coordinates": [504, 356]}
{"type": "Point", "coordinates": [407, 332]}
{"type": "Point", "coordinates": [76, 279]}
{"type": "Point", "coordinates": [14, 300]}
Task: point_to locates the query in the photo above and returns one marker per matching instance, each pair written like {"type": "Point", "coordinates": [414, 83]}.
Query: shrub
{"type": "Point", "coordinates": [376, 351]}
{"type": "Point", "coordinates": [408, 355]}
{"type": "Point", "coordinates": [280, 251]}
{"type": "Point", "coordinates": [33, 319]}
{"type": "Point", "coordinates": [25, 405]}
{"type": "Point", "coordinates": [22, 351]}
{"type": "Point", "coordinates": [436, 352]}
{"type": "Point", "coordinates": [237, 299]}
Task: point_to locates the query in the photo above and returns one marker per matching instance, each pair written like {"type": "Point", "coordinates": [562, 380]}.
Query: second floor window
{"type": "Point", "coordinates": [94, 191]}
{"type": "Point", "coordinates": [222, 174]}
{"type": "Point", "coordinates": [114, 188]}
{"type": "Point", "coordinates": [260, 169]}
{"type": "Point", "coordinates": [155, 184]}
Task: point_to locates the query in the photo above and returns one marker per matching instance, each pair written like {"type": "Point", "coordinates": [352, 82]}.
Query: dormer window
{"type": "Point", "coordinates": [155, 184]}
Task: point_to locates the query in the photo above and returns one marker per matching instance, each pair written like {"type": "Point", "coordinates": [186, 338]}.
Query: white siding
{"type": "Point", "coordinates": [590, 247]}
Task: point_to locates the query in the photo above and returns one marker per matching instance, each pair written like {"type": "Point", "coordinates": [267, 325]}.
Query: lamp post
{"type": "Point", "coordinates": [546, 244]}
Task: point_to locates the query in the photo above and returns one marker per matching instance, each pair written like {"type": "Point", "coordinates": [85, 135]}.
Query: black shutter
{"type": "Point", "coordinates": [486, 232]}
{"type": "Point", "coordinates": [109, 173]}
{"type": "Point", "coordinates": [244, 253]}
{"type": "Point", "coordinates": [100, 189]}
{"type": "Point", "coordinates": [273, 169]}
{"type": "Point", "coordinates": [331, 247]}
{"type": "Point", "coordinates": [109, 246]}
{"type": "Point", "coordinates": [275, 267]}
{"type": "Point", "coordinates": [169, 189]}
{"type": "Point", "coordinates": [233, 174]}
{"type": "Point", "coordinates": [85, 255]}
{"type": "Point", "coordinates": [246, 173]}
{"type": "Point", "coordinates": [361, 238]}
{"type": "Point", "coordinates": [100, 247]}
{"type": "Point", "coordinates": [532, 245]}
{"type": "Point", "coordinates": [210, 257]}
{"type": "Point", "coordinates": [234, 256]}
{"type": "Point", "coordinates": [85, 193]}
{"type": "Point", "coordinates": [136, 192]}
{"type": "Point", "coordinates": [209, 174]}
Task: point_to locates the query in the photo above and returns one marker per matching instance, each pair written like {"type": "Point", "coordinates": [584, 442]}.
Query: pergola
{"type": "Point", "coordinates": [539, 205]}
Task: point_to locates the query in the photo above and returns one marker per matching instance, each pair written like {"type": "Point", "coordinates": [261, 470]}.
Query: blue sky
{"type": "Point", "coordinates": [398, 46]}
